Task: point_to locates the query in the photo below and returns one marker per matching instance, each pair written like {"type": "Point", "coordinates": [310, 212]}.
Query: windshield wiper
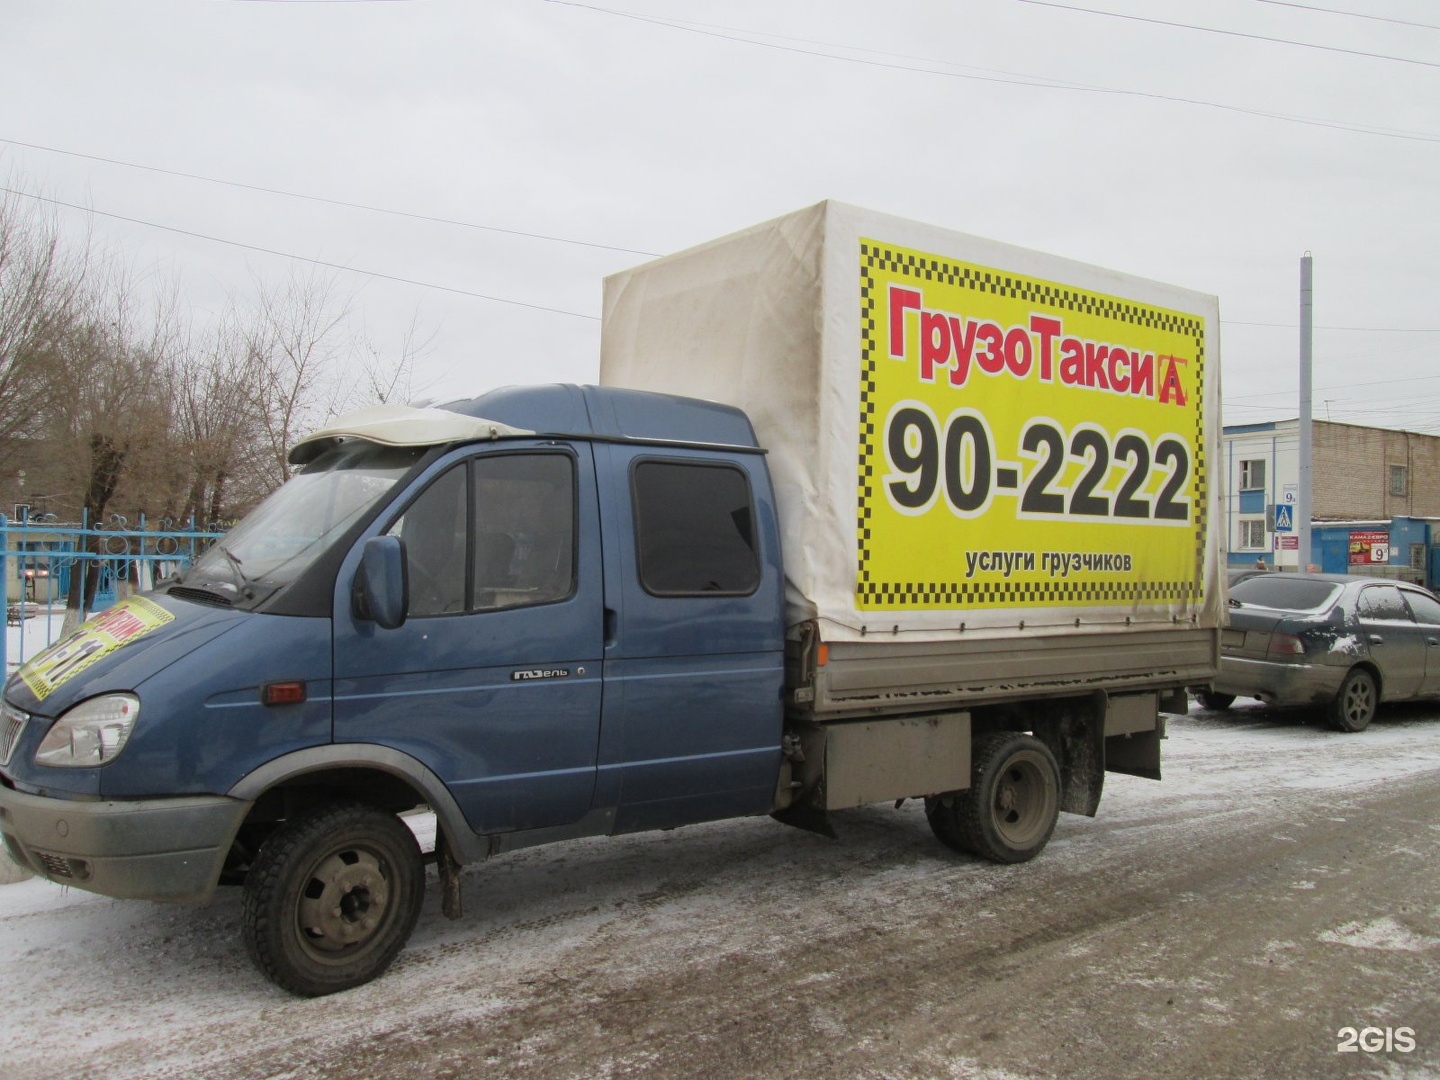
{"type": "Point", "coordinates": [234, 561]}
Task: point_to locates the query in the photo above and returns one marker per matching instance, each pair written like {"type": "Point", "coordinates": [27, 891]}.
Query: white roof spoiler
{"type": "Point", "coordinates": [400, 425]}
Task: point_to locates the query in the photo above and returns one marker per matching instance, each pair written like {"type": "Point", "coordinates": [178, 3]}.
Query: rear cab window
{"type": "Point", "coordinates": [694, 529]}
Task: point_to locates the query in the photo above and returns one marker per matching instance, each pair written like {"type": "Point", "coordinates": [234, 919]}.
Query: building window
{"type": "Point", "coordinates": [1417, 556]}
{"type": "Point", "coordinates": [1252, 474]}
{"type": "Point", "coordinates": [1252, 533]}
{"type": "Point", "coordinates": [1399, 480]}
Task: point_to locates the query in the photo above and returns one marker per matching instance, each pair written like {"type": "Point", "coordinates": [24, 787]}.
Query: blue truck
{"type": "Point", "coordinates": [545, 613]}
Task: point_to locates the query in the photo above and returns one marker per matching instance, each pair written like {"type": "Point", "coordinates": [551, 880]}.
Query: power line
{"type": "Point", "coordinates": [1339, 386]}
{"type": "Point", "coordinates": [1228, 33]}
{"type": "Point", "coordinates": [1350, 14]}
{"type": "Point", "coordinates": [301, 258]}
{"type": "Point", "coordinates": [1366, 329]}
{"type": "Point", "coordinates": [324, 199]}
{"type": "Point", "coordinates": [1039, 82]}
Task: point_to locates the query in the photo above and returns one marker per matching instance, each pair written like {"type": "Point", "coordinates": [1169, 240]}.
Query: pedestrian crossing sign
{"type": "Point", "coordinates": [1284, 518]}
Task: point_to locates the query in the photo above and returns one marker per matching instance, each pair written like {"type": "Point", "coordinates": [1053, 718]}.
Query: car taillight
{"type": "Point", "coordinates": [1285, 647]}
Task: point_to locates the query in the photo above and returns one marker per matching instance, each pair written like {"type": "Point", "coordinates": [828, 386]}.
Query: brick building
{"type": "Point", "coordinates": [1365, 482]}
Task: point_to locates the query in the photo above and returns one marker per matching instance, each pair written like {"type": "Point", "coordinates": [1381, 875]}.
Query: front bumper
{"type": "Point", "coordinates": [151, 849]}
{"type": "Point", "coordinates": [1278, 684]}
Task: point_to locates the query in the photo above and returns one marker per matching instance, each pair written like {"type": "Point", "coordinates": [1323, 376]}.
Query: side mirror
{"type": "Point", "coordinates": [382, 587]}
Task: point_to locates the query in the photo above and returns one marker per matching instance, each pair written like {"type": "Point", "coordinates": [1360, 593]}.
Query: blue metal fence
{"type": "Point", "coordinates": [38, 557]}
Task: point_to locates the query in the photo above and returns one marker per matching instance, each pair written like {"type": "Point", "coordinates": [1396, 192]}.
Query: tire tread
{"type": "Point", "coordinates": [964, 825]}
{"type": "Point", "coordinates": [264, 939]}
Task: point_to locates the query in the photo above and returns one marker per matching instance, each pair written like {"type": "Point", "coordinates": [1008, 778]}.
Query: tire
{"type": "Point", "coordinates": [1355, 703]}
{"type": "Point", "coordinates": [332, 897]}
{"type": "Point", "coordinates": [1215, 701]}
{"type": "Point", "coordinates": [1010, 809]}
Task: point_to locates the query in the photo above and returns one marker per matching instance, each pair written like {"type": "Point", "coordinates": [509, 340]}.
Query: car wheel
{"type": "Point", "coordinates": [332, 897]}
{"type": "Point", "coordinates": [1212, 700]}
{"type": "Point", "coordinates": [1009, 811]}
{"type": "Point", "coordinates": [1354, 706]}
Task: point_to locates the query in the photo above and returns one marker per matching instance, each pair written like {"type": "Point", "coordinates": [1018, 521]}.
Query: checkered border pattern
{"type": "Point", "coordinates": [894, 594]}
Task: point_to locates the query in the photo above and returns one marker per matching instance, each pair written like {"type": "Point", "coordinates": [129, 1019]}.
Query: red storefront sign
{"type": "Point", "coordinates": [1369, 546]}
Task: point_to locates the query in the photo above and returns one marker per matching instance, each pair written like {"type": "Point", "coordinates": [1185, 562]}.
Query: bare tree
{"type": "Point", "coordinates": [112, 410]}
{"type": "Point", "coordinates": [41, 291]}
{"type": "Point", "coordinates": [388, 379]}
{"type": "Point", "coordinates": [213, 389]}
{"type": "Point", "coordinates": [296, 350]}
{"type": "Point", "coordinates": [113, 407]}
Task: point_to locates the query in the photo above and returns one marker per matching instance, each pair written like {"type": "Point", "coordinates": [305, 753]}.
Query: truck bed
{"type": "Point", "coordinates": [886, 677]}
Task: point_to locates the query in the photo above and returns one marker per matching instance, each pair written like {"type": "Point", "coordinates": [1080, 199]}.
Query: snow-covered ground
{"type": "Point", "coordinates": [25, 640]}
{"type": "Point", "coordinates": [93, 987]}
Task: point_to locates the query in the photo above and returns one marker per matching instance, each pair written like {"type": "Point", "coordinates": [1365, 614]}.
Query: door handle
{"type": "Point", "coordinates": [612, 625]}
{"type": "Point", "coordinates": [1376, 639]}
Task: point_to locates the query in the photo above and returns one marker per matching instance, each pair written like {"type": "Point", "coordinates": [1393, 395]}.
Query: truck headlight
{"type": "Point", "coordinates": [91, 733]}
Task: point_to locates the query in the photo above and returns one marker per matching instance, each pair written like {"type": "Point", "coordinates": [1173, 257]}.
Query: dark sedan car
{"type": "Point", "coordinates": [1333, 641]}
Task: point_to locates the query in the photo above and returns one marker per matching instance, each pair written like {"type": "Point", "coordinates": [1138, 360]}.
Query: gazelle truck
{"type": "Point", "coordinates": [862, 510]}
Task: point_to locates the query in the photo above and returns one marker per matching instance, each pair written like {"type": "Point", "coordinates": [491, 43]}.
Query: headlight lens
{"type": "Point", "coordinates": [91, 733]}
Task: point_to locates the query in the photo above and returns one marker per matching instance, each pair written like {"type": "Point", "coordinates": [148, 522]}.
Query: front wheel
{"type": "Point", "coordinates": [332, 897]}
{"type": "Point", "coordinates": [1010, 809]}
{"type": "Point", "coordinates": [1355, 704]}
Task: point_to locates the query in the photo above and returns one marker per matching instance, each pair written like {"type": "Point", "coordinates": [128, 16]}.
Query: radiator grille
{"type": "Point", "coordinates": [12, 723]}
{"type": "Point", "coordinates": [55, 865]}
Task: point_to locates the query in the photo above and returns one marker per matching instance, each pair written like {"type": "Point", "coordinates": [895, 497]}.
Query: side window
{"type": "Point", "coordinates": [1426, 609]}
{"type": "Point", "coordinates": [524, 529]}
{"type": "Point", "coordinates": [694, 529]}
{"type": "Point", "coordinates": [1382, 602]}
{"type": "Point", "coordinates": [512, 544]}
{"type": "Point", "coordinates": [434, 530]}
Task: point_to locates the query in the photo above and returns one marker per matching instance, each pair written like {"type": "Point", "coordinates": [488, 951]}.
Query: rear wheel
{"type": "Point", "coordinates": [1010, 810]}
{"type": "Point", "coordinates": [1354, 706]}
{"type": "Point", "coordinates": [1212, 700]}
{"type": "Point", "coordinates": [332, 897]}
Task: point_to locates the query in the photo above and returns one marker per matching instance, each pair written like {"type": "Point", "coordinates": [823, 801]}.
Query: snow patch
{"type": "Point", "coordinates": [1384, 933]}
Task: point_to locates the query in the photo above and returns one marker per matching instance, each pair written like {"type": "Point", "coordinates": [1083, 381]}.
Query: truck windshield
{"type": "Point", "coordinates": [287, 532]}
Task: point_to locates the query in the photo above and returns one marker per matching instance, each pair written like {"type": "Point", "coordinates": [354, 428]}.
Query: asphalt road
{"type": "Point", "coordinates": [1277, 888]}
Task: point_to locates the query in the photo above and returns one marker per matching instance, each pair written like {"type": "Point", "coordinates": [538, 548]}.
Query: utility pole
{"type": "Point", "coordinates": [1307, 316]}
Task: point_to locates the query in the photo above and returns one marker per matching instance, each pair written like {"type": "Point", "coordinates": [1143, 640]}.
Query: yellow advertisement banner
{"type": "Point", "coordinates": [1024, 442]}
{"type": "Point", "coordinates": [96, 637]}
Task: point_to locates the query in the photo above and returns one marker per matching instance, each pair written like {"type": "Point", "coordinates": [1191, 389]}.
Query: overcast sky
{"type": "Point", "coordinates": [1211, 152]}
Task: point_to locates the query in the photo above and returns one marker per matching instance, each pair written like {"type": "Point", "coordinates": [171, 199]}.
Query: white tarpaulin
{"type": "Point", "coordinates": [965, 436]}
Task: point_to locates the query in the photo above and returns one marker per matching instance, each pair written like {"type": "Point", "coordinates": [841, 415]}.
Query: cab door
{"type": "Point", "coordinates": [494, 679]}
{"type": "Point", "coordinates": [694, 650]}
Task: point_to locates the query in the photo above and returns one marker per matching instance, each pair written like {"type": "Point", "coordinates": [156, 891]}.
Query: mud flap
{"type": "Point", "coordinates": [1074, 731]}
{"type": "Point", "coordinates": [451, 902]}
{"type": "Point", "coordinates": [807, 806]}
{"type": "Point", "coordinates": [1137, 754]}
{"type": "Point", "coordinates": [1134, 728]}
{"type": "Point", "coordinates": [808, 814]}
